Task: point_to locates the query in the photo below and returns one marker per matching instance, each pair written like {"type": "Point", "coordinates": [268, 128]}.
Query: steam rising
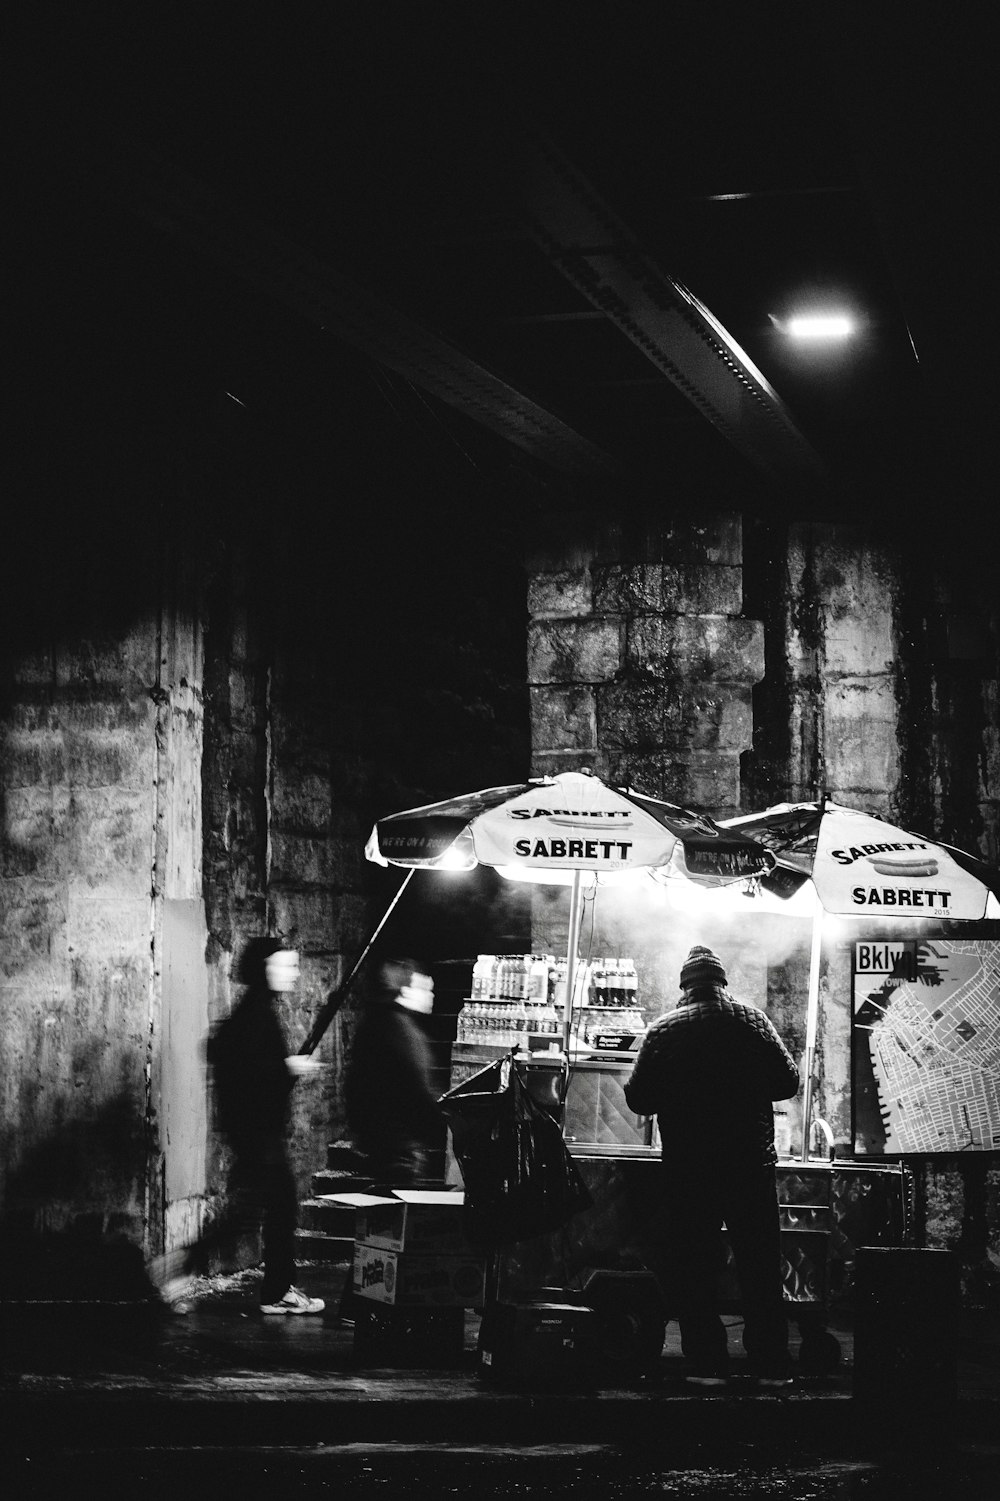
{"type": "Point", "coordinates": [646, 922]}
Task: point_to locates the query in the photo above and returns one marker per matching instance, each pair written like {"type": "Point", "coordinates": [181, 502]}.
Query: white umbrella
{"type": "Point", "coordinates": [858, 865]}
{"type": "Point", "coordinates": [572, 829]}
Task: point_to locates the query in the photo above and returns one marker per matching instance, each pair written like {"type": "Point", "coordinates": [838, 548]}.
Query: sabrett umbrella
{"type": "Point", "coordinates": [571, 829]}
{"type": "Point", "coordinates": [857, 864]}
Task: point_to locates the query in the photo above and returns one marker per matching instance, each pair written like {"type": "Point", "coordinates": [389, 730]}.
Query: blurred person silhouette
{"type": "Point", "coordinates": [709, 1071]}
{"type": "Point", "coordinates": [254, 1076]}
{"type": "Point", "coordinates": [392, 1107]}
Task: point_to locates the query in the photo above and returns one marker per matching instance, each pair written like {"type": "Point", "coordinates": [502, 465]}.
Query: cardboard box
{"type": "Point", "coordinates": [418, 1280]}
{"type": "Point", "coordinates": [414, 1219]}
{"type": "Point", "coordinates": [354, 1200]}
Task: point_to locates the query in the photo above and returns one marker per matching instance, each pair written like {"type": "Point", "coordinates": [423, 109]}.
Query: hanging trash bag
{"type": "Point", "coordinates": [520, 1180]}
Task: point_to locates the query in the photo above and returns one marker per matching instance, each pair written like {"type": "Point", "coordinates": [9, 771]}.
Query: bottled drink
{"type": "Point", "coordinates": [481, 972]}
{"type": "Point", "coordinates": [538, 979]}
{"type": "Point", "coordinates": [629, 982]}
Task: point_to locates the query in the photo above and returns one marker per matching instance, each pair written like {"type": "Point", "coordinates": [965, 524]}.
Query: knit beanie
{"type": "Point", "coordinates": [702, 967]}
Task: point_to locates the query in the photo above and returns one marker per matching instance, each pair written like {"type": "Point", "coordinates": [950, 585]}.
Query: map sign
{"type": "Point", "coordinates": [926, 1046]}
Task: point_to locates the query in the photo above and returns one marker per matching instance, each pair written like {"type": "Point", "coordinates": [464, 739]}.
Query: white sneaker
{"type": "Point", "coordinates": [294, 1302]}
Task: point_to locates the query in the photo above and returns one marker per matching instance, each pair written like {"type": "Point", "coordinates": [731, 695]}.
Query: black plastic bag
{"type": "Point", "coordinates": [520, 1180]}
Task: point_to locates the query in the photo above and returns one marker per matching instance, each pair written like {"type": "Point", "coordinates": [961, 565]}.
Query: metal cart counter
{"type": "Point", "coordinates": [828, 1208]}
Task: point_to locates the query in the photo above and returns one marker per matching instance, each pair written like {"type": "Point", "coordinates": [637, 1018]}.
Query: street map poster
{"type": "Point", "coordinates": [926, 1046]}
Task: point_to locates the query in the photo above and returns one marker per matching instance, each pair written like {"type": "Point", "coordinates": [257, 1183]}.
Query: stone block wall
{"type": "Point", "coordinates": [726, 670]}
{"type": "Point", "coordinates": [640, 661]}
{"type": "Point", "coordinates": [276, 859]}
{"type": "Point", "coordinates": [186, 771]}
{"type": "Point", "coordinates": [826, 716]}
{"type": "Point", "coordinates": [881, 688]}
{"type": "Point", "coordinates": [641, 666]}
{"type": "Point", "coordinates": [316, 891]}
{"type": "Point", "coordinates": [78, 763]}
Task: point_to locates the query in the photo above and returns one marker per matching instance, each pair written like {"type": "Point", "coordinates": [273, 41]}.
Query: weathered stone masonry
{"type": "Point", "coordinates": [641, 664]}
{"type": "Point", "coordinates": [812, 658]}
{"type": "Point", "coordinates": [80, 761]}
{"type": "Point", "coordinates": [188, 773]}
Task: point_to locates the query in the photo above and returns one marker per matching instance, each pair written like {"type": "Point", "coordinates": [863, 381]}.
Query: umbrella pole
{"type": "Point", "coordinates": [812, 1016]}
{"type": "Point", "coordinates": [572, 949]}
{"type": "Point", "coordinates": [337, 997]}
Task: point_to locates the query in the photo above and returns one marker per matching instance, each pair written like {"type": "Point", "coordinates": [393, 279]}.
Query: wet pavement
{"type": "Point", "coordinates": [102, 1397]}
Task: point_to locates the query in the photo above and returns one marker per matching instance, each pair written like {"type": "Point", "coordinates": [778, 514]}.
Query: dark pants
{"type": "Point", "coordinates": [699, 1199]}
{"type": "Point", "coordinates": [264, 1197]}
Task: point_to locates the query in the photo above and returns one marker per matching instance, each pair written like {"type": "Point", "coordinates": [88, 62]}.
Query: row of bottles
{"type": "Point", "coordinates": [513, 977]}
{"type": "Point", "coordinates": [508, 1024]}
{"type": "Point", "coordinates": [513, 1024]}
{"type": "Point", "coordinates": [614, 983]}
{"type": "Point", "coordinates": [540, 979]}
{"type": "Point", "coordinates": [519, 997]}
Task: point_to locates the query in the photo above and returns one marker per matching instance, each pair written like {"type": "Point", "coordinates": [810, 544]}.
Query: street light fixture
{"type": "Point", "coordinates": [816, 328]}
{"type": "Point", "coordinates": [820, 328]}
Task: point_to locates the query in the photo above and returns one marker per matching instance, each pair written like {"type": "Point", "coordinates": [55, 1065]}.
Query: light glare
{"type": "Point", "coordinates": [820, 326]}
{"type": "Point", "coordinates": [454, 859]}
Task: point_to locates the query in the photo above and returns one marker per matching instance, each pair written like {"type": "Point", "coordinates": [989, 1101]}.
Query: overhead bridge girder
{"type": "Point", "coordinates": [584, 240]}
{"type": "Point", "coordinates": [195, 215]}
{"type": "Point", "coordinates": [578, 234]}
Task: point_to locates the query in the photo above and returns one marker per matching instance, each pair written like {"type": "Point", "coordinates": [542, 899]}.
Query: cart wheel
{"type": "Point", "coordinates": [819, 1353]}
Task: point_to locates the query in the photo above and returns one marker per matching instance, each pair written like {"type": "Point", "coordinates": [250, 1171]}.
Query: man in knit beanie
{"type": "Point", "coordinates": [702, 967]}
{"type": "Point", "coordinates": [709, 1071]}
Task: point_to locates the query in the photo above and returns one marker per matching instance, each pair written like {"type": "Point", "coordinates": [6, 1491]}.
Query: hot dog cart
{"type": "Point", "coordinates": [828, 1207]}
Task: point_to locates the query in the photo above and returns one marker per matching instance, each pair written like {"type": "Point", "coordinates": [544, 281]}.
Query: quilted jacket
{"type": "Point", "coordinates": [709, 1071]}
